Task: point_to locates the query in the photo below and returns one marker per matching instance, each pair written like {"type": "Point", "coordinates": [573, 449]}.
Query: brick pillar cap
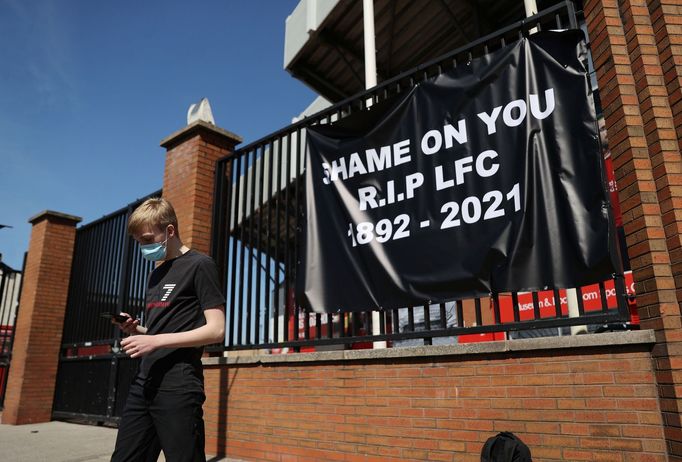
{"type": "Point", "coordinates": [50, 214]}
{"type": "Point", "coordinates": [199, 127]}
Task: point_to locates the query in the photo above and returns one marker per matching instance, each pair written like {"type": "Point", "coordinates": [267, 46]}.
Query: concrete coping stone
{"type": "Point", "coordinates": [533, 344]}
{"type": "Point", "coordinates": [195, 126]}
{"type": "Point", "coordinates": [47, 214]}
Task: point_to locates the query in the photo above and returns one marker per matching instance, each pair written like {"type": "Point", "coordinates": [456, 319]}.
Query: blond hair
{"type": "Point", "coordinates": [154, 212]}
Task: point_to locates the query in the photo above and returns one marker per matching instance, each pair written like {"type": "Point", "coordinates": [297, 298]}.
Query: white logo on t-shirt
{"type": "Point", "coordinates": [168, 288]}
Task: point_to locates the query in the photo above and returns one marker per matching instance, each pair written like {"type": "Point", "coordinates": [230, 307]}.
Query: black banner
{"type": "Point", "coordinates": [482, 180]}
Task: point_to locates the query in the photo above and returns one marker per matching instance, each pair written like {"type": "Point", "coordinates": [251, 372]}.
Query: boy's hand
{"type": "Point", "coordinates": [129, 326]}
{"type": "Point", "coordinates": [139, 345]}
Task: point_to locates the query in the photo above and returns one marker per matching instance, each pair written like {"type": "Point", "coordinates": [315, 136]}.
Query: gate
{"type": "Point", "coordinates": [10, 288]}
{"type": "Point", "coordinates": [108, 274]}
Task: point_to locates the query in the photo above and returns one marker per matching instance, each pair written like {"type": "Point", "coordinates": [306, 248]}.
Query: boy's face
{"type": "Point", "coordinates": [152, 234]}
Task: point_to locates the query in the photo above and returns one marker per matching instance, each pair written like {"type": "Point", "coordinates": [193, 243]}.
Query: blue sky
{"type": "Point", "coordinates": [89, 89]}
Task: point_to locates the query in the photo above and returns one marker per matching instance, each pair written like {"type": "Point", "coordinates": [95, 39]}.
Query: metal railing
{"type": "Point", "coordinates": [108, 275]}
{"type": "Point", "coordinates": [10, 290]}
{"type": "Point", "coordinates": [257, 214]}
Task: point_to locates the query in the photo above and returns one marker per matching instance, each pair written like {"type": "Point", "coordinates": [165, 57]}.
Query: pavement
{"type": "Point", "coordinates": [62, 442]}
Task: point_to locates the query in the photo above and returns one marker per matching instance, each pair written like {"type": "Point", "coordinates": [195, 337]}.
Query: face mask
{"type": "Point", "coordinates": [155, 251]}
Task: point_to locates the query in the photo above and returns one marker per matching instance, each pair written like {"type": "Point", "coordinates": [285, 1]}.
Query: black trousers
{"type": "Point", "coordinates": [167, 418]}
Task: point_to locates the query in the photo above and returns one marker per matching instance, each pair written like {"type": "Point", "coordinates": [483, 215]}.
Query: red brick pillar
{"type": "Point", "coordinates": [633, 64]}
{"type": "Point", "coordinates": [35, 355]}
{"type": "Point", "coordinates": [190, 175]}
{"type": "Point", "coordinates": [666, 17]}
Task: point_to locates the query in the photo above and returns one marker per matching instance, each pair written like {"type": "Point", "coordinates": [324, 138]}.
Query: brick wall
{"type": "Point", "coordinates": [189, 178]}
{"type": "Point", "coordinates": [596, 403]}
{"type": "Point", "coordinates": [637, 55]}
{"type": "Point", "coordinates": [35, 353]}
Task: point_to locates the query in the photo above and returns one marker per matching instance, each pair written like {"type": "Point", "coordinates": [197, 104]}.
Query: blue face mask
{"type": "Point", "coordinates": [155, 251]}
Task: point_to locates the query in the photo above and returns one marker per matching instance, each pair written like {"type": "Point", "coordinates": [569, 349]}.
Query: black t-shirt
{"type": "Point", "coordinates": [178, 292]}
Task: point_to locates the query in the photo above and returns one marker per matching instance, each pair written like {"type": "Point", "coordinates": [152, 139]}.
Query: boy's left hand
{"type": "Point", "coordinates": [139, 345]}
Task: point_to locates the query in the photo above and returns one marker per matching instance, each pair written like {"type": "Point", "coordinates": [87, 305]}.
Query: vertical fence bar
{"type": "Point", "coordinates": [459, 306]}
{"type": "Point", "coordinates": [253, 160]}
{"type": "Point", "coordinates": [268, 237]}
{"type": "Point", "coordinates": [581, 302]}
{"type": "Point", "coordinates": [110, 286]}
{"type": "Point", "coordinates": [396, 321]}
{"type": "Point", "coordinates": [496, 309]}
{"type": "Point", "coordinates": [621, 295]}
{"type": "Point", "coordinates": [259, 243]}
{"type": "Point", "coordinates": [218, 227]}
{"type": "Point", "coordinates": [95, 275]}
{"type": "Point", "coordinates": [602, 296]}
{"type": "Point", "coordinates": [92, 290]}
{"type": "Point", "coordinates": [137, 277]}
{"type": "Point", "coordinates": [74, 283]}
{"type": "Point", "coordinates": [100, 274]}
{"type": "Point", "coordinates": [536, 306]}
{"type": "Point", "coordinates": [236, 174]}
{"type": "Point", "coordinates": [300, 149]}
{"type": "Point", "coordinates": [8, 335]}
{"type": "Point", "coordinates": [278, 240]}
{"type": "Point", "coordinates": [109, 249]}
{"type": "Point", "coordinates": [224, 234]}
{"type": "Point", "coordinates": [572, 20]}
{"type": "Point", "coordinates": [557, 303]}
{"type": "Point", "coordinates": [318, 325]}
{"type": "Point", "coordinates": [340, 325]}
{"type": "Point", "coordinates": [427, 323]}
{"type": "Point", "coordinates": [124, 274]}
{"type": "Point", "coordinates": [123, 247]}
{"type": "Point", "coordinates": [306, 325]}
{"type": "Point", "coordinates": [6, 298]}
{"type": "Point", "coordinates": [287, 247]}
{"type": "Point", "coordinates": [121, 233]}
{"type": "Point", "coordinates": [242, 308]}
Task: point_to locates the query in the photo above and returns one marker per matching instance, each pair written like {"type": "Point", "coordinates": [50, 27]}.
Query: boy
{"type": "Point", "coordinates": [184, 312]}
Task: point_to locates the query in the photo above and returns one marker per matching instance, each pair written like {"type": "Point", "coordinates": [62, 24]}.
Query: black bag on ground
{"type": "Point", "coordinates": [505, 447]}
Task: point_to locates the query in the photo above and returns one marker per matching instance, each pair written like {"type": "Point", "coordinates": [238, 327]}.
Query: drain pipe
{"type": "Point", "coordinates": [371, 81]}
{"type": "Point", "coordinates": [370, 46]}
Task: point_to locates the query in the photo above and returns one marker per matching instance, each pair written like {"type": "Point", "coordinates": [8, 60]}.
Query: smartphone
{"type": "Point", "coordinates": [115, 316]}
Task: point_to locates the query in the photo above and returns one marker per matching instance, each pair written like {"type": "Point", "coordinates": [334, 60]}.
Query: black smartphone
{"type": "Point", "coordinates": [115, 316]}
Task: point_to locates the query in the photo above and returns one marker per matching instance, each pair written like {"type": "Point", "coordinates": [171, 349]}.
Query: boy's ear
{"type": "Point", "coordinates": [171, 231]}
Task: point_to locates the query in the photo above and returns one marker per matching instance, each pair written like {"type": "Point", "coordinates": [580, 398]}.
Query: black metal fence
{"type": "Point", "coordinates": [108, 275]}
{"type": "Point", "coordinates": [259, 201]}
{"type": "Point", "coordinates": [10, 289]}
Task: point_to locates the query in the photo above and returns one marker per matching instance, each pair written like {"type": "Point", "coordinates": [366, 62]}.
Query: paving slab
{"type": "Point", "coordinates": [62, 442]}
